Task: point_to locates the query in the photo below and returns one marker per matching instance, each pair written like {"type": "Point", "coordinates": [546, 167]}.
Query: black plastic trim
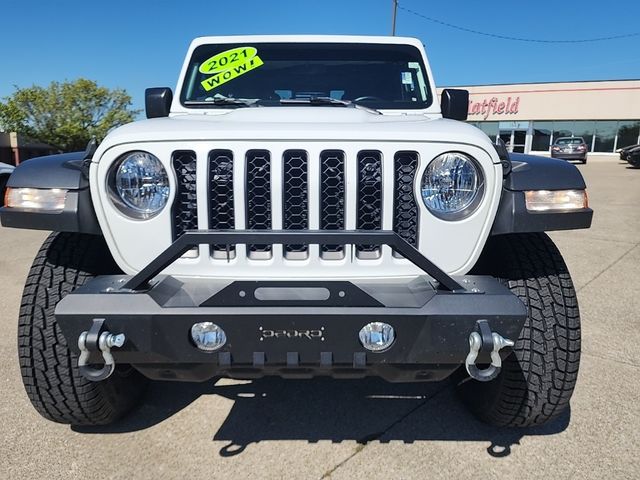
{"type": "Point", "coordinates": [258, 196]}
{"type": "Point", "coordinates": [65, 171]}
{"type": "Point", "coordinates": [53, 171]}
{"type": "Point", "coordinates": [332, 195]}
{"type": "Point", "coordinates": [157, 102]}
{"type": "Point", "coordinates": [530, 172]}
{"type": "Point", "coordinates": [78, 216]}
{"type": "Point", "coordinates": [406, 217]}
{"type": "Point", "coordinates": [513, 217]}
{"type": "Point", "coordinates": [454, 104]}
{"type": "Point", "coordinates": [295, 195]}
{"type": "Point", "coordinates": [369, 196]}
{"type": "Point", "coordinates": [221, 197]}
{"type": "Point", "coordinates": [184, 211]}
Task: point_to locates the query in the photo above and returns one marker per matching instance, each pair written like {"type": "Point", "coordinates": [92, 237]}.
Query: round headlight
{"type": "Point", "coordinates": [452, 186]}
{"type": "Point", "coordinates": [139, 185]}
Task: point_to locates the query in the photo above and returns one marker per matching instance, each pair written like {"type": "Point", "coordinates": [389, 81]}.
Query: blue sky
{"type": "Point", "coordinates": [136, 44]}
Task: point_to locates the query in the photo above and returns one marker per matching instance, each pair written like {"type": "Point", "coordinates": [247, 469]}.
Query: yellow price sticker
{"type": "Point", "coordinates": [230, 64]}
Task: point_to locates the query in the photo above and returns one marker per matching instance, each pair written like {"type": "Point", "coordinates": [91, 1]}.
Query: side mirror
{"type": "Point", "coordinates": [454, 104]}
{"type": "Point", "coordinates": [501, 148]}
{"type": "Point", "coordinates": [157, 101]}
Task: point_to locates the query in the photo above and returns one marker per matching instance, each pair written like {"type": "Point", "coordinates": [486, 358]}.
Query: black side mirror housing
{"type": "Point", "coordinates": [157, 101]}
{"type": "Point", "coordinates": [454, 104]}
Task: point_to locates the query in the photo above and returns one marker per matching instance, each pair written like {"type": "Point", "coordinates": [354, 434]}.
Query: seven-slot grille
{"type": "Point", "coordinates": [259, 188]}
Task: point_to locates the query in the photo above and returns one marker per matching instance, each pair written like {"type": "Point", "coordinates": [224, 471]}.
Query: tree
{"type": "Point", "coordinates": [66, 115]}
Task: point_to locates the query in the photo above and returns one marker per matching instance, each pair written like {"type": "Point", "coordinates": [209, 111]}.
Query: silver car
{"type": "Point", "coordinates": [570, 148]}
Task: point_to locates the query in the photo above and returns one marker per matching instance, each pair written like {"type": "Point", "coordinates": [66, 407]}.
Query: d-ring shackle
{"type": "Point", "coordinates": [475, 344]}
{"type": "Point", "coordinates": [93, 340]}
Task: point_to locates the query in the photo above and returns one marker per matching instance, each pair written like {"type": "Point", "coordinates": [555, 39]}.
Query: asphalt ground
{"type": "Point", "coordinates": [322, 428]}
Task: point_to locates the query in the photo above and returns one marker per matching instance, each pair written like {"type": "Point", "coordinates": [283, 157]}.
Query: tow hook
{"type": "Point", "coordinates": [485, 340]}
{"type": "Point", "coordinates": [98, 340]}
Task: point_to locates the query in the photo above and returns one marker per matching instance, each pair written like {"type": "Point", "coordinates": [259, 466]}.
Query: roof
{"type": "Point", "coordinates": [306, 39]}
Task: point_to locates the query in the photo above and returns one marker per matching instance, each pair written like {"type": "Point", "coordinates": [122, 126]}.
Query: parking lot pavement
{"type": "Point", "coordinates": [322, 428]}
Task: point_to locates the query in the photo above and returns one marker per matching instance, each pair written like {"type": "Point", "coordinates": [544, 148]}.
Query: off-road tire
{"type": "Point", "coordinates": [49, 369]}
{"type": "Point", "coordinates": [538, 377]}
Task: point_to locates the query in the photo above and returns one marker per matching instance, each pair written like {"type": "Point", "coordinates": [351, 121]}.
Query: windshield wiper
{"type": "Point", "coordinates": [221, 100]}
{"type": "Point", "coordinates": [326, 101]}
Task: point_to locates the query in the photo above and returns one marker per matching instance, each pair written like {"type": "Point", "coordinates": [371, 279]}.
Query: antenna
{"type": "Point", "coordinates": [393, 18]}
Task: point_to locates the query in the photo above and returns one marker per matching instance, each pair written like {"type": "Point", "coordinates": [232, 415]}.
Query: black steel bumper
{"type": "Point", "coordinates": [286, 328]}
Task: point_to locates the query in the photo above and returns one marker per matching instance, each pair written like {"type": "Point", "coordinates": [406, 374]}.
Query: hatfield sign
{"type": "Point", "coordinates": [494, 106]}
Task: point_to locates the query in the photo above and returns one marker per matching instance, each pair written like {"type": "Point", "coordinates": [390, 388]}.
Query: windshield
{"type": "Point", "coordinates": [570, 141]}
{"type": "Point", "coordinates": [374, 75]}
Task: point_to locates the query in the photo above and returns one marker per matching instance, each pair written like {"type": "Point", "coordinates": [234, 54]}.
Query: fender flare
{"type": "Point", "coordinates": [65, 171]}
{"type": "Point", "coordinates": [530, 172]}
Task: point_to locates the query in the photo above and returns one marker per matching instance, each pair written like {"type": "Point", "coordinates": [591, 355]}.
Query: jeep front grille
{"type": "Point", "coordinates": [295, 198]}
{"type": "Point", "coordinates": [184, 212]}
{"type": "Point", "coordinates": [369, 198]}
{"type": "Point", "coordinates": [258, 197]}
{"type": "Point", "coordinates": [277, 191]}
{"type": "Point", "coordinates": [405, 208]}
{"type": "Point", "coordinates": [332, 197]}
{"type": "Point", "coordinates": [221, 204]}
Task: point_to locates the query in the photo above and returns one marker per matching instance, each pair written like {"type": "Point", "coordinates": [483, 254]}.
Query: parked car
{"type": "Point", "coordinates": [624, 152]}
{"type": "Point", "coordinates": [570, 148]}
{"type": "Point", "coordinates": [633, 156]}
{"type": "Point", "coordinates": [303, 206]}
{"type": "Point", "coordinates": [5, 171]}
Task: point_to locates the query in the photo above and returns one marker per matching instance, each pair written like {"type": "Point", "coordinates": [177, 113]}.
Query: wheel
{"type": "Point", "coordinates": [49, 369]}
{"type": "Point", "coordinates": [538, 377]}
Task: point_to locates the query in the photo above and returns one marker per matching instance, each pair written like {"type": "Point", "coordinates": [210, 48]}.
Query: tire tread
{"type": "Point", "coordinates": [49, 369]}
{"type": "Point", "coordinates": [538, 378]}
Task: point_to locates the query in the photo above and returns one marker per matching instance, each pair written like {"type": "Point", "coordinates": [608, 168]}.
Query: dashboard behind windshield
{"type": "Point", "coordinates": [380, 76]}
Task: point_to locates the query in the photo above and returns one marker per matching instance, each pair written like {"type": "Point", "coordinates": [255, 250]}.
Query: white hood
{"type": "Point", "coordinates": [299, 124]}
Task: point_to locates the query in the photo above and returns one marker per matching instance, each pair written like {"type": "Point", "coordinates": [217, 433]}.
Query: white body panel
{"type": "Point", "coordinates": [453, 245]}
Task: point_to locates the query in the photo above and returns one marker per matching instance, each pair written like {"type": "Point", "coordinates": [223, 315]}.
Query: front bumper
{"type": "Point", "coordinates": [569, 155]}
{"type": "Point", "coordinates": [306, 337]}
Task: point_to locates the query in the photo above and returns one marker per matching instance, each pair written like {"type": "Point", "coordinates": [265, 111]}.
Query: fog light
{"type": "Point", "coordinates": [208, 336]}
{"type": "Point", "coordinates": [377, 336]}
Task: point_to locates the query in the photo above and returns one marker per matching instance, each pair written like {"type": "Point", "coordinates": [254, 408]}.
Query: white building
{"type": "Point", "coordinates": [529, 116]}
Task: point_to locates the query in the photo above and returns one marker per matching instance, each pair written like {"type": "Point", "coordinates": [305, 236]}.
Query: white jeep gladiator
{"type": "Point", "coordinates": [303, 206]}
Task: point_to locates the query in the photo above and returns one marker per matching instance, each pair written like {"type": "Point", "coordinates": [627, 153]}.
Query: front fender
{"type": "Point", "coordinates": [66, 172]}
{"type": "Point", "coordinates": [530, 172]}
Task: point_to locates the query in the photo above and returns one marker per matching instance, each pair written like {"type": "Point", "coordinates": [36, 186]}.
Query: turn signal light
{"type": "Point", "coordinates": [48, 200]}
{"type": "Point", "coordinates": [556, 200]}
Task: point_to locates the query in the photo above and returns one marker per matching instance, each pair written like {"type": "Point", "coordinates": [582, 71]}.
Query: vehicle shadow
{"type": "Point", "coordinates": [326, 409]}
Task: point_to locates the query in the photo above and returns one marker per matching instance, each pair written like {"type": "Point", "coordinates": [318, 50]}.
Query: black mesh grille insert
{"type": "Point", "coordinates": [405, 208]}
{"type": "Point", "coordinates": [295, 195]}
{"type": "Point", "coordinates": [221, 214]}
{"type": "Point", "coordinates": [331, 195]}
{"type": "Point", "coordinates": [369, 215]}
{"type": "Point", "coordinates": [258, 195]}
{"type": "Point", "coordinates": [184, 212]}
